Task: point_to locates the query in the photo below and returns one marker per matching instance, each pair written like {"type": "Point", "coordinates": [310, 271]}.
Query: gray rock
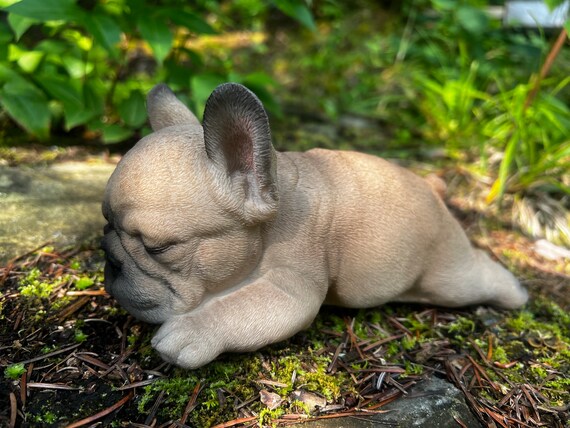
{"type": "Point", "coordinates": [60, 204]}
{"type": "Point", "coordinates": [433, 403]}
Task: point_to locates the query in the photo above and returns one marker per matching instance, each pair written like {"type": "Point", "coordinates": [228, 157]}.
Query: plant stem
{"type": "Point", "coordinates": [554, 51]}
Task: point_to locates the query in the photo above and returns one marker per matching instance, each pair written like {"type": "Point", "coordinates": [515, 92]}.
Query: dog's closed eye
{"type": "Point", "coordinates": [157, 250]}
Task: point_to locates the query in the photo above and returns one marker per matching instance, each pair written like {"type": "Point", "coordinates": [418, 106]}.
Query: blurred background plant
{"type": "Point", "coordinates": [66, 64]}
{"type": "Point", "coordinates": [404, 79]}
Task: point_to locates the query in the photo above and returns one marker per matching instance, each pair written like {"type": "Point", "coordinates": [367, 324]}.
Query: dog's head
{"type": "Point", "coordinates": [184, 206]}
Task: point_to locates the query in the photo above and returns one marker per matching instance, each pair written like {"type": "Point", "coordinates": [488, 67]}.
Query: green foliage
{"type": "Point", "coordinates": [67, 63]}
{"type": "Point", "coordinates": [235, 377]}
{"type": "Point", "coordinates": [476, 95]}
{"type": "Point", "coordinates": [83, 283]}
{"type": "Point", "coordinates": [14, 371]}
{"type": "Point", "coordinates": [32, 287]}
{"type": "Point", "coordinates": [537, 150]}
{"type": "Point", "coordinates": [438, 73]}
{"type": "Point", "coordinates": [79, 336]}
{"type": "Point", "coordinates": [445, 75]}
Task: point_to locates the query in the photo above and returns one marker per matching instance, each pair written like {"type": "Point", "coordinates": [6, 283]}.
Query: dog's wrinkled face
{"type": "Point", "coordinates": [173, 235]}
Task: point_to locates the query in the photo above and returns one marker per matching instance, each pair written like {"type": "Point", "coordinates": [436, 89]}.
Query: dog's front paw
{"type": "Point", "coordinates": [180, 342]}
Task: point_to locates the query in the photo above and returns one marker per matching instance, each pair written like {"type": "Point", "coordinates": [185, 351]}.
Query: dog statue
{"type": "Point", "coordinates": [231, 245]}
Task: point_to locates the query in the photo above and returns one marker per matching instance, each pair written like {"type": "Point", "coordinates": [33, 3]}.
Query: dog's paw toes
{"type": "Point", "coordinates": [193, 357]}
{"type": "Point", "coordinates": [183, 349]}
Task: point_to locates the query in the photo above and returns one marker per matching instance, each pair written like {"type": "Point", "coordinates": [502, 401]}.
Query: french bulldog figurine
{"type": "Point", "coordinates": [232, 246]}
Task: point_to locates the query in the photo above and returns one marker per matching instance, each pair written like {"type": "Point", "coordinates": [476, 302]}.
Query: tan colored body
{"type": "Point", "coordinates": [232, 246]}
{"type": "Point", "coordinates": [379, 233]}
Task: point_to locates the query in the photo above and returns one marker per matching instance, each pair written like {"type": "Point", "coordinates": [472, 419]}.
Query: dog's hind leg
{"type": "Point", "coordinates": [456, 274]}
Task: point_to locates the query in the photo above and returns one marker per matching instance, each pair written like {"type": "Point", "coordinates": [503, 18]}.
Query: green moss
{"type": "Point", "coordinates": [14, 371]}
{"type": "Point", "coordinates": [299, 406]}
{"type": "Point", "coordinates": [461, 326]}
{"type": "Point", "coordinates": [412, 368]}
{"type": "Point", "coordinates": [60, 303]}
{"type": "Point", "coordinates": [318, 380]}
{"type": "Point", "coordinates": [392, 349]}
{"type": "Point", "coordinates": [312, 374]}
{"type": "Point", "coordinates": [177, 390]}
{"type": "Point", "coordinates": [31, 286]}
{"type": "Point", "coordinates": [409, 342]}
{"type": "Point", "coordinates": [48, 418]}
{"type": "Point", "coordinates": [235, 376]}
{"type": "Point", "coordinates": [500, 354]}
{"type": "Point", "coordinates": [267, 416]}
{"type": "Point", "coordinates": [79, 336]}
{"type": "Point", "coordinates": [539, 372]}
{"type": "Point", "coordinates": [84, 282]}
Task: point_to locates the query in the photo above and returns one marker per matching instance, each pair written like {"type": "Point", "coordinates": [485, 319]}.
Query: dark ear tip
{"type": "Point", "coordinates": [231, 87]}
{"type": "Point", "coordinates": [232, 91]}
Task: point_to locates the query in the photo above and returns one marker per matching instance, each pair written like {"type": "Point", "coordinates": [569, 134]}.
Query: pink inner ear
{"type": "Point", "coordinates": [238, 150]}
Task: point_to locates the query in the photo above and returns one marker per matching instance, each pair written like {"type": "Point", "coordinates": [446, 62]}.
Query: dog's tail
{"type": "Point", "coordinates": [437, 185]}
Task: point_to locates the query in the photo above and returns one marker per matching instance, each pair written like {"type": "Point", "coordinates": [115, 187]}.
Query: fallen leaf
{"type": "Point", "coordinates": [312, 401]}
{"type": "Point", "coordinates": [270, 399]}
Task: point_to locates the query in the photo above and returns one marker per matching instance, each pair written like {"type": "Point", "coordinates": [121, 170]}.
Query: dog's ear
{"type": "Point", "coordinates": [164, 109]}
{"type": "Point", "coordinates": [238, 141]}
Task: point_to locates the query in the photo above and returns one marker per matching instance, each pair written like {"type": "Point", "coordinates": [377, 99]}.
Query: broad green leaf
{"type": "Point", "coordinates": [258, 83]}
{"type": "Point", "coordinates": [76, 117]}
{"type": "Point", "coordinates": [133, 110]}
{"type": "Point", "coordinates": [47, 10]}
{"type": "Point", "coordinates": [444, 4]}
{"type": "Point", "coordinates": [177, 75]}
{"type": "Point", "coordinates": [259, 78]}
{"type": "Point", "coordinates": [500, 184]}
{"type": "Point", "coordinates": [76, 67]}
{"type": "Point", "coordinates": [473, 20]}
{"type": "Point", "coordinates": [6, 37]}
{"type": "Point", "coordinates": [8, 74]}
{"type": "Point", "coordinates": [157, 34]}
{"type": "Point", "coordinates": [93, 97]}
{"type": "Point", "coordinates": [553, 4]}
{"type": "Point", "coordinates": [188, 20]}
{"type": "Point", "coordinates": [61, 90]}
{"type": "Point", "coordinates": [53, 47]}
{"type": "Point", "coordinates": [202, 86]}
{"type": "Point", "coordinates": [5, 33]}
{"type": "Point", "coordinates": [92, 107]}
{"type": "Point", "coordinates": [298, 10]}
{"type": "Point", "coordinates": [28, 107]}
{"type": "Point", "coordinates": [20, 24]}
{"type": "Point", "coordinates": [105, 30]}
{"type": "Point", "coordinates": [29, 61]}
{"type": "Point", "coordinates": [115, 133]}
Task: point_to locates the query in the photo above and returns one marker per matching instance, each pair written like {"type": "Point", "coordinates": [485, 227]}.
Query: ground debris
{"type": "Point", "coordinates": [72, 357]}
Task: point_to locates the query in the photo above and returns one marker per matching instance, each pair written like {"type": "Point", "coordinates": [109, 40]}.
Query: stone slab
{"type": "Point", "coordinates": [432, 403]}
{"type": "Point", "coordinates": [60, 204]}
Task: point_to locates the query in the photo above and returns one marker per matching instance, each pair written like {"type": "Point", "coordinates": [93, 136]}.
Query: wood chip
{"type": "Point", "coordinates": [270, 399]}
{"type": "Point", "coordinates": [13, 410]}
{"type": "Point", "coordinates": [43, 385]}
{"type": "Point", "coordinates": [272, 383]}
{"type": "Point", "coordinates": [311, 400]}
